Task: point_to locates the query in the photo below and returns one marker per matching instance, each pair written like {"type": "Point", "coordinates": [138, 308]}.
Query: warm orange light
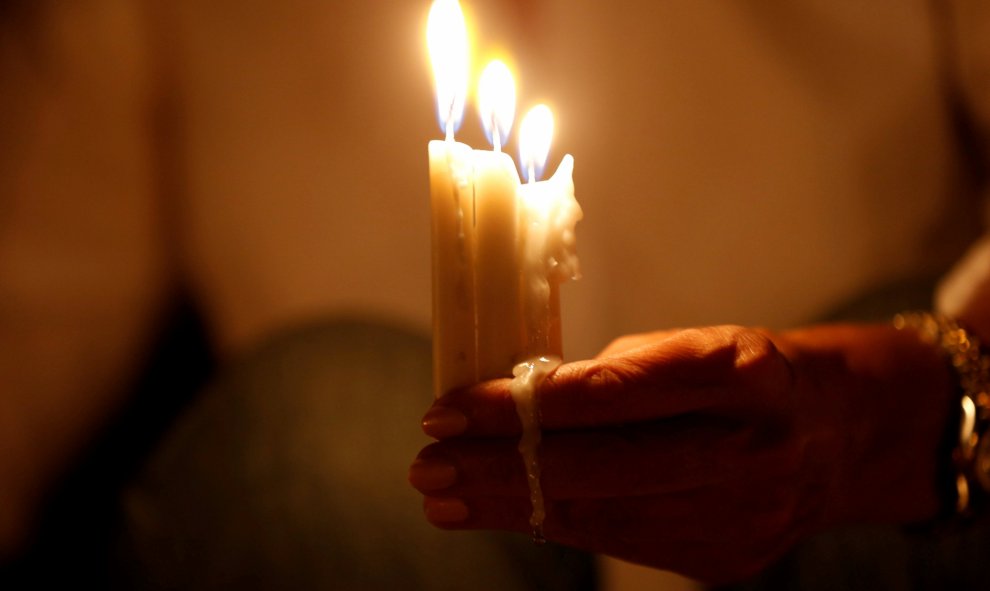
{"type": "Point", "coordinates": [447, 40]}
{"type": "Point", "coordinates": [535, 135]}
{"type": "Point", "coordinates": [497, 102]}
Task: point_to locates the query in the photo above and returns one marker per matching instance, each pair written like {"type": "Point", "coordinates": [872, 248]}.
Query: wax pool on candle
{"type": "Point", "coordinates": [548, 257]}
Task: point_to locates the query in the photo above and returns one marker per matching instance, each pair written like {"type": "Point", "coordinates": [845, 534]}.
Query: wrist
{"type": "Point", "coordinates": [966, 452]}
{"type": "Point", "coordinates": [878, 402]}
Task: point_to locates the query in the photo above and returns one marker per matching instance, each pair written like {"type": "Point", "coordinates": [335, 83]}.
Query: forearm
{"type": "Point", "coordinates": [887, 398]}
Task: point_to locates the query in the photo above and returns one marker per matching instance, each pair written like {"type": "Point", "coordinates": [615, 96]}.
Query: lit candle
{"type": "Point", "coordinates": [451, 203]}
{"type": "Point", "coordinates": [548, 215]}
{"type": "Point", "coordinates": [500, 250]}
{"type": "Point", "coordinates": [496, 230]}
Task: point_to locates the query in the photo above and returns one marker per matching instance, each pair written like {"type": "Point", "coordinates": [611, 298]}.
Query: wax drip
{"type": "Point", "coordinates": [528, 376]}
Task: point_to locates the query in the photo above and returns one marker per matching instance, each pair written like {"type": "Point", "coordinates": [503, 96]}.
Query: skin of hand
{"type": "Point", "coordinates": [708, 452]}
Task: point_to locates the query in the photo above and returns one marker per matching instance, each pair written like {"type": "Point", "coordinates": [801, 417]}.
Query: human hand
{"type": "Point", "coordinates": [708, 452]}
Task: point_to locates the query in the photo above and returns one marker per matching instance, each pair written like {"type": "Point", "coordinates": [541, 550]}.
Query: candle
{"type": "Point", "coordinates": [451, 203]}
{"type": "Point", "coordinates": [496, 230]}
{"type": "Point", "coordinates": [500, 249]}
{"type": "Point", "coordinates": [549, 214]}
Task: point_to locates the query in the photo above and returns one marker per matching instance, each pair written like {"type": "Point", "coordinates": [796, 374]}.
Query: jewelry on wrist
{"type": "Point", "coordinates": [971, 454]}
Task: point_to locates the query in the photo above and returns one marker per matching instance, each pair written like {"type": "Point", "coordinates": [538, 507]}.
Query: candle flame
{"type": "Point", "coordinates": [535, 135]}
{"type": "Point", "coordinates": [497, 102]}
{"type": "Point", "coordinates": [447, 40]}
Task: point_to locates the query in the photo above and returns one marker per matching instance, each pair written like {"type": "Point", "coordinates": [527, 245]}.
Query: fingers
{"type": "Point", "coordinates": [661, 532]}
{"type": "Point", "coordinates": [690, 371]}
{"type": "Point", "coordinates": [483, 410]}
{"type": "Point", "coordinates": [504, 513]}
{"type": "Point", "coordinates": [637, 460]}
{"type": "Point", "coordinates": [722, 369]}
{"type": "Point", "coordinates": [649, 453]}
{"type": "Point", "coordinates": [594, 524]}
{"type": "Point", "coordinates": [705, 533]}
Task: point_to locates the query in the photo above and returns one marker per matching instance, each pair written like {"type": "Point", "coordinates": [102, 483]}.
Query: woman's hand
{"type": "Point", "coordinates": [708, 452]}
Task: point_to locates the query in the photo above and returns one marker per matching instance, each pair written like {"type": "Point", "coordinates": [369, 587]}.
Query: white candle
{"type": "Point", "coordinates": [548, 215]}
{"type": "Point", "coordinates": [496, 264]}
{"type": "Point", "coordinates": [500, 250]}
{"type": "Point", "coordinates": [451, 195]}
{"type": "Point", "coordinates": [496, 227]}
{"type": "Point", "coordinates": [451, 203]}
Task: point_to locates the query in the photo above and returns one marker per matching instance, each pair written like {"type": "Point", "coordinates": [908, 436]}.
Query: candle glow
{"type": "Point", "coordinates": [447, 40]}
{"type": "Point", "coordinates": [535, 135]}
{"type": "Point", "coordinates": [497, 102]}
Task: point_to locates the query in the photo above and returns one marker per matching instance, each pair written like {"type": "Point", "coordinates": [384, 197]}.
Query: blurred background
{"type": "Point", "coordinates": [222, 174]}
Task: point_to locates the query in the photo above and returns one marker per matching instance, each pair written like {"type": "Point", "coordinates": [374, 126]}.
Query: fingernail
{"type": "Point", "coordinates": [442, 422]}
{"type": "Point", "coordinates": [432, 474]}
{"type": "Point", "coordinates": [445, 511]}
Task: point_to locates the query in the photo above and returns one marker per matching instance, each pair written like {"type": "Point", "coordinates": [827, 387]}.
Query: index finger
{"type": "Point", "coordinates": [692, 371]}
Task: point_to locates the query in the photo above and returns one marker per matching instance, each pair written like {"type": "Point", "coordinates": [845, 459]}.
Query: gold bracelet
{"type": "Point", "coordinates": [971, 456]}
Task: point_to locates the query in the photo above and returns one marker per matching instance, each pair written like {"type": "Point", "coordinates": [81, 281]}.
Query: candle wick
{"type": "Point", "coordinates": [496, 138]}
{"type": "Point", "coordinates": [450, 122]}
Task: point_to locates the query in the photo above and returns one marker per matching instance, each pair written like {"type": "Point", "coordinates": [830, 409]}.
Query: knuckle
{"type": "Point", "coordinates": [722, 335]}
{"type": "Point", "coordinates": [605, 376]}
{"type": "Point", "coordinates": [714, 347]}
{"type": "Point", "coordinates": [759, 361]}
{"type": "Point", "coordinates": [754, 347]}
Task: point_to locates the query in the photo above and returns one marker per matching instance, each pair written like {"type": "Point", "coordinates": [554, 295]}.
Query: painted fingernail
{"type": "Point", "coordinates": [445, 511]}
{"type": "Point", "coordinates": [432, 474]}
{"type": "Point", "coordinates": [442, 422]}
